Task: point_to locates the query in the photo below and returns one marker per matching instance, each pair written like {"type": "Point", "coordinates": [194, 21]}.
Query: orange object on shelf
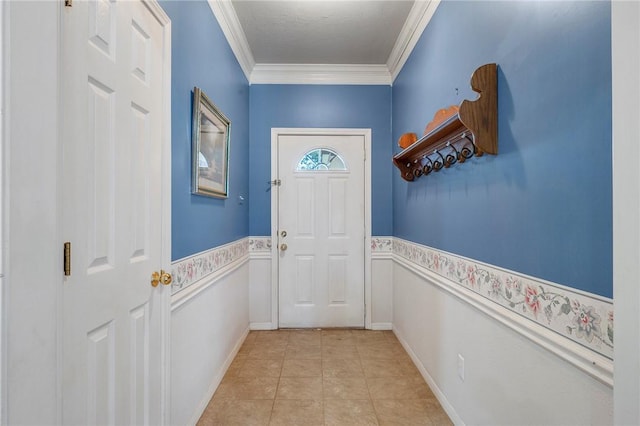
{"type": "Point", "coordinates": [441, 116]}
{"type": "Point", "coordinates": [407, 140]}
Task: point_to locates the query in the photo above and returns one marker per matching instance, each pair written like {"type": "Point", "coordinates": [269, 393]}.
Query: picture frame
{"type": "Point", "coordinates": [211, 135]}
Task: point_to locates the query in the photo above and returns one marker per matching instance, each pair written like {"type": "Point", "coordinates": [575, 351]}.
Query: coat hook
{"type": "Point", "coordinates": [438, 164]}
{"type": "Point", "coordinates": [467, 153]}
{"type": "Point", "coordinates": [426, 169]}
{"type": "Point", "coordinates": [450, 158]}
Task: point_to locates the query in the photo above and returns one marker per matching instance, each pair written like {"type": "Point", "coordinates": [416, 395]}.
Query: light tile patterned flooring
{"type": "Point", "coordinates": [323, 377]}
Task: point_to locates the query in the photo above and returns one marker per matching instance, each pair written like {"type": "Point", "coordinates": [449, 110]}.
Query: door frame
{"type": "Point", "coordinates": [4, 51]}
{"type": "Point", "coordinates": [275, 192]}
{"type": "Point", "coordinates": [625, 60]}
{"type": "Point", "coordinates": [165, 217]}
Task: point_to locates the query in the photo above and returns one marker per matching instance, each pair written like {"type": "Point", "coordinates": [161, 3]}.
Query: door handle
{"type": "Point", "coordinates": [161, 277]}
{"type": "Point", "coordinates": [283, 247]}
{"type": "Point", "coordinates": [165, 277]}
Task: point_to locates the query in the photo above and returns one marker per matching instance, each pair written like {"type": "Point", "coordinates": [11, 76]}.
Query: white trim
{"type": "Point", "coordinates": [418, 19]}
{"type": "Point", "coordinates": [217, 380]}
{"type": "Point", "coordinates": [274, 230]}
{"type": "Point", "coordinates": [165, 215]}
{"type": "Point", "coordinates": [263, 326]}
{"type": "Point", "coordinates": [227, 18]}
{"type": "Point", "coordinates": [320, 74]}
{"type": "Point", "coordinates": [59, 216]}
{"type": "Point", "coordinates": [381, 255]}
{"type": "Point", "coordinates": [625, 53]}
{"type": "Point", "coordinates": [190, 293]}
{"type": "Point", "coordinates": [442, 399]}
{"type": "Point", "coordinates": [158, 12]}
{"type": "Point", "coordinates": [588, 361]}
{"type": "Point", "coordinates": [366, 133]}
{"type": "Point", "coordinates": [382, 326]}
{"type": "Point", "coordinates": [259, 255]}
{"type": "Point", "coordinates": [367, 229]}
{"type": "Point", "coordinates": [4, 198]}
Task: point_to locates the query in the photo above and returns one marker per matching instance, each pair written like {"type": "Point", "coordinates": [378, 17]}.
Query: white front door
{"type": "Point", "coordinates": [113, 84]}
{"type": "Point", "coordinates": [321, 230]}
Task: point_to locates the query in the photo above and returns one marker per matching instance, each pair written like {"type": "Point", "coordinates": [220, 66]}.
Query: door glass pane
{"type": "Point", "coordinates": [321, 159]}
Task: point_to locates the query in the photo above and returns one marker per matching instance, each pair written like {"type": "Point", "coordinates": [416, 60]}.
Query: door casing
{"type": "Point", "coordinates": [275, 133]}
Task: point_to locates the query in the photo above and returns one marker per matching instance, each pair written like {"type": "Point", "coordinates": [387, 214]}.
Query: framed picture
{"type": "Point", "coordinates": [210, 153]}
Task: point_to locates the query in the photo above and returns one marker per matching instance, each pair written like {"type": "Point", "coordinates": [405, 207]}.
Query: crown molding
{"type": "Point", "coordinates": [421, 13]}
{"type": "Point", "coordinates": [226, 16]}
{"type": "Point", "coordinates": [419, 16]}
{"type": "Point", "coordinates": [320, 74]}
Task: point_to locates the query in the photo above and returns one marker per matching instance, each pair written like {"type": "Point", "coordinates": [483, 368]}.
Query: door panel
{"type": "Point", "coordinates": [112, 94]}
{"type": "Point", "coordinates": [321, 271]}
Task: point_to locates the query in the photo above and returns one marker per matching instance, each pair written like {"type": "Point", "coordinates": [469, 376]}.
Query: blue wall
{"type": "Point", "coordinates": [320, 106]}
{"type": "Point", "coordinates": [543, 206]}
{"type": "Point", "coordinates": [202, 57]}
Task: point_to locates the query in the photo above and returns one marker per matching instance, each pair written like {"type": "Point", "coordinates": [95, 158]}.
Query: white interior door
{"type": "Point", "coordinates": [112, 90]}
{"type": "Point", "coordinates": [321, 230]}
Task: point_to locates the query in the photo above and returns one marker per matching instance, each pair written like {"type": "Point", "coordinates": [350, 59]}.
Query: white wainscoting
{"type": "Point", "coordinates": [381, 283]}
{"type": "Point", "coordinates": [527, 360]}
{"type": "Point", "coordinates": [261, 294]}
{"type": "Point", "coordinates": [209, 322]}
{"type": "Point", "coordinates": [517, 370]}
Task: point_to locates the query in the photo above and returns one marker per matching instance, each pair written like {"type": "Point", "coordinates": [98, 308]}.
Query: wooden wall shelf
{"type": "Point", "coordinates": [467, 131]}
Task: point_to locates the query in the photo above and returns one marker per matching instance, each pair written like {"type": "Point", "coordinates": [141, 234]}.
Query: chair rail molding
{"type": "Point", "coordinates": [575, 325]}
{"type": "Point", "coordinates": [192, 273]}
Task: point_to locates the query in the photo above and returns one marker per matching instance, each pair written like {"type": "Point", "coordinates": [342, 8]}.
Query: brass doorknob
{"type": "Point", "coordinates": [161, 277]}
{"type": "Point", "coordinates": [283, 247]}
{"type": "Point", "coordinates": [165, 277]}
{"type": "Point", "coordinates": [155, 279]}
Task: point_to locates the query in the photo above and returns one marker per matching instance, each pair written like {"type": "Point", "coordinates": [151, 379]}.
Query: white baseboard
{"type": "Point", "coordinates": [446, 406]}
{"type": "Point", "coordinates": [217, 379]}
{"type": "Point", "coordinates": [381, 326]}
{"type": "Point", "coordinates": [262, 326]}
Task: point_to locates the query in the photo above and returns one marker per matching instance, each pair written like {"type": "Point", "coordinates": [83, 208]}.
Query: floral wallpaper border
{"type": "Point", "coordinates": [193, 268]}
{"type": "Point", "coordinates": [260, 244]}
{"type": "Point", "coordinates": [587, 320]}
{"type": "Point", "coordinates": [381, 244]}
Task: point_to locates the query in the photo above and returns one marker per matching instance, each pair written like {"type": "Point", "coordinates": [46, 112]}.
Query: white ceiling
{"type": "Point", "coordinates": [322, 32]}
{"type": "Point", "coordinates": [322, 41]}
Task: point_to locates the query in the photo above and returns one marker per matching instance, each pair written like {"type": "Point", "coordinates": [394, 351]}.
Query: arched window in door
{"type": "Point", "coordinates": [321, 159]}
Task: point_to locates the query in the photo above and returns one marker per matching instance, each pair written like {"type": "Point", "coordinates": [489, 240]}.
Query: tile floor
{"type": "Point", "coordinates": [323, 377]}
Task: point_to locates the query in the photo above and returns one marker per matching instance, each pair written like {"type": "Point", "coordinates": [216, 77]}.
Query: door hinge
{"type": "Point", "coordinates": [67, 259]}
{"type": "Point", "coordinates": [68, 3]}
